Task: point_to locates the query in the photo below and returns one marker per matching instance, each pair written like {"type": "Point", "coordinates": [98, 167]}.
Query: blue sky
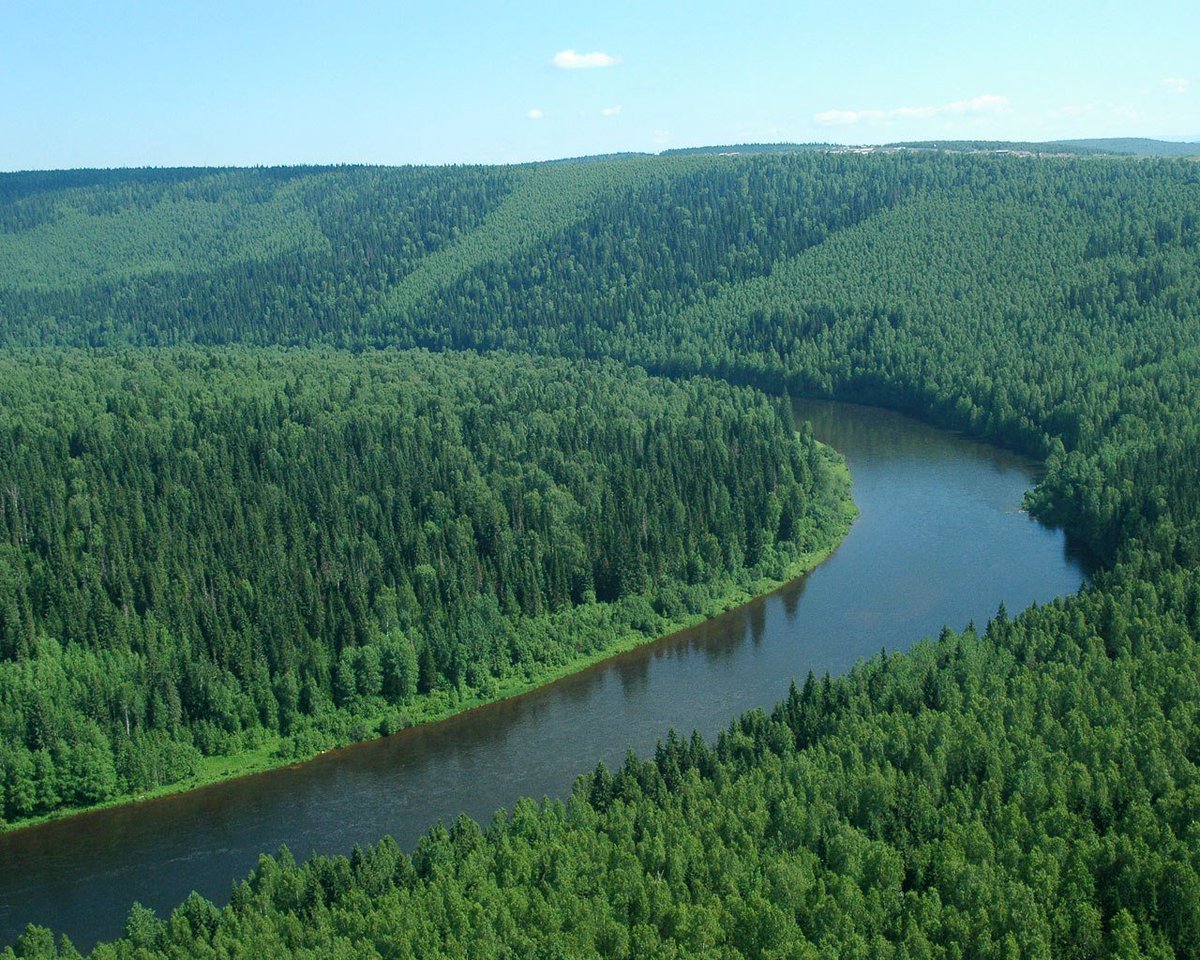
{"type": "Point", "coordinates": [175, 82]}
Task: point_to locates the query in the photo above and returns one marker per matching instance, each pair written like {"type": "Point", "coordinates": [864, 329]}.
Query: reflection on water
{"type": "Point", "coordinates": [940, 540]}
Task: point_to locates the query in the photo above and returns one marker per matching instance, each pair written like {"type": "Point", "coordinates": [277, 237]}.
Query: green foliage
{"type": "Point", "coordinates": [220, 255]}
{"type": "Point", "coordinates": [199, 548]}
{"type": "Point", "coordinates": [1048, 304]}
{"type": "Point", "coordinates": [365, 256]}
{"type": "Point", "coordinates": [1017, 794]}
{"type": "Point", "coordinates": [1031, 792]}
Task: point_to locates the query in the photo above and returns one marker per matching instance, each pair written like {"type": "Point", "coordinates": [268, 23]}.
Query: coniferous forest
{"type": "Point", "coordinates": [203, 551]}
{"type": "Point", "coordinates": [291, 456]}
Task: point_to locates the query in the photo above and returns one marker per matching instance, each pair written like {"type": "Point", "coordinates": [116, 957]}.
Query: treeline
{"type": "Point", "coordinates": [1030, 792]}
{"type": "Point", "coordinates": [203, 550]}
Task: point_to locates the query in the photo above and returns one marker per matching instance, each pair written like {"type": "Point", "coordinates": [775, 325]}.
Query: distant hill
{"type": "Point", "coordinates": [1081, 147]}
{"type": "Point", "coordinates": [1138, 145]}
{"type": "Point", "coordinates": [1124, 146]}
{"type": "Point", "coordinates": [599, 158]}
{"type": "Point", "coordinates": [1132, 146]}
{"type": "Point", "coordinates": [749, 148]}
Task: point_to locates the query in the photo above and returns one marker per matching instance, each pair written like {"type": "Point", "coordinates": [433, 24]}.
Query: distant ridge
{"type": "Point", "coordinates": [601, 157]}
{"type": "Point", "coordinates": [1078, 147]}
{"type": "Point", "coordinates": [1118, 146]}
{"type": "Point", "coordinates": [741, 148]}
{"type": "Point", "coordinates": [1123, 146]}
{"type": "Point", "coordinates": [1140, 146]}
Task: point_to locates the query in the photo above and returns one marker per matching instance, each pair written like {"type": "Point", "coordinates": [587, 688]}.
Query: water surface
{"type": "Point", "coordinates": [940, 541]}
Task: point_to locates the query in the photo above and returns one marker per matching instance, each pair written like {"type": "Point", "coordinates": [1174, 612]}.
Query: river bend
{"type": "Point", "coordinates": [940, 541]}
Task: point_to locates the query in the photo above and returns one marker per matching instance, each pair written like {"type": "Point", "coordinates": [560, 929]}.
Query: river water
{"type": "Point", "coordinates": [940, 541]}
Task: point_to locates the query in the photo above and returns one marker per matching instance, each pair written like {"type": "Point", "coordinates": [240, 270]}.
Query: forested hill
{"type": "Point", "coordinates": [204, 553]}
{"type": "Point", "coordinates": [1030, 791]}
{"type": "Point", "coordinates": [1047, 303]}
{"type": "Point", "coordinates": [1138, 146]}
{"type": "Point", "coordinates": [1113, 146]}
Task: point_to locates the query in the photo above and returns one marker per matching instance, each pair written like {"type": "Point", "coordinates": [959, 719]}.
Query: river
{"type": "Point", "coordinates": [940, 541]}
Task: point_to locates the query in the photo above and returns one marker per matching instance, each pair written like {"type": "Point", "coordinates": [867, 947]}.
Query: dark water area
{"type": "Point", "coordinates": [940, 541]}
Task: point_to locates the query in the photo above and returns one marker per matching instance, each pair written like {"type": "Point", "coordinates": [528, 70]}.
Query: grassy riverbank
{"type": "Point", "coordinates": [268, 752]}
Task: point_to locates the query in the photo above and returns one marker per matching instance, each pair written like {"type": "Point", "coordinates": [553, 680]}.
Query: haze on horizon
{"type": "Point", "coordinates": [109, 84]}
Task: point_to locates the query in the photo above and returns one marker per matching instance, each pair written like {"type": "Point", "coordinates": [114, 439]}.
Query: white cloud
{"type": "Point", "coordinates": [988, 103]}
{"type": "Point", "coordinates": [662, 137]}
{"type": "Point", "coordinates": [535, 113]}
{"type": "Point", "coordinates": [610, 111]}
{"type": "Point", "coordinates": [570, 60]}
{"type": "Point", "coordinates": [1176, 84]}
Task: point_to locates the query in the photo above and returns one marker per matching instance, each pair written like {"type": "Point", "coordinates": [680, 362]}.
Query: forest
{"type": "Point", "coordinates": [1026, 790]}
{"type": "Point", "coordinates": [208, 552]}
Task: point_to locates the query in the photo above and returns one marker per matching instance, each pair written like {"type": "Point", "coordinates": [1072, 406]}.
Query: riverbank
{"type": "Point", "coordinates": [938, 541]}
{"type": "Point", "coordinates": [270, 752]}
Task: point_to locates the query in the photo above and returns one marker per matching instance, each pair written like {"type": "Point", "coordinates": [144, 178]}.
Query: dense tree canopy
{"type": "Point", "coordinates": [1050, 304]}
{"type": "Point", "coordinates": [200, 550]}
{"type": "Point", "coordinates": [1028, 792]}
